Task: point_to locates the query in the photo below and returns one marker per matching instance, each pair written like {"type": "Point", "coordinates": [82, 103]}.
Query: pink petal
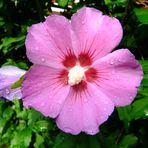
{"type": "Point", "coordinates": [84, 111]}
{"type": "Point", "coordinates": [43, 91]}
{"type": "Point", "coordinates": [9, 74]}
{"type": "Point", "coordinates": [11, 94]}
{"type": "Point", "coordinates": [97, 34]}
{"type": "Point", "coordinates": [49, 42]}
{"type": "Point", "coordinates": [119, 76]}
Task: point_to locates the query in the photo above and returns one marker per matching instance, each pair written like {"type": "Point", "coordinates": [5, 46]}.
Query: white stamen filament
{"type": "Point", "coordinates": [76, 75]}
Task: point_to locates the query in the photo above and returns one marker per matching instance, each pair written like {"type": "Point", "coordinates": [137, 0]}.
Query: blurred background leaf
{"type": "Point", "coordinates": [142, 15]}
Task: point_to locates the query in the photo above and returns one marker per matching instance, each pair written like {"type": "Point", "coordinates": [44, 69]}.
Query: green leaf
{"type": "Point", "coordinates": [63, 3]}
{"type": "Point", "coordinates": [140, 109]}
{"type": "Point", "coordinates": [6, 116]}
{"type": "Point", "coordinates": [7, 42]}
{"type": "Point", "coordinates": [115, 2]}
{"type": "Point", "coordinates": [65, 141]}
{"type": "Point", "coordinates": [23, 114]}
{"type": "Point", "coordinates": [39, 141]}
{"type": "Point", "coordinates": [142, 15]}
{"type": "Point", "coordinates": [17, 83]}
{"type": "Point", "coordinates": [22, 65]}
{"type": "Point", "coordinates": [93, 142]}
{"type": "Point", "coordinates": [21, 138]}
{"type": "Point", "coordinates": [2, 124]}
{"type": "Point", "coordinates": [128, 141]}
{"type": "Point", "coordinates": [7, 113]}
{"type": "Point", "coordinates": [33, 116]}
{"type": "Point", "coordinates": [109, 141]}
{"type": "Point", "coordinates": [143, 90]}
{"type": "Point", "coordinates": [41, 125]}
{"type": "Point", "coordinates": [1, 21]}
{"type": "Point", "coordinates": [144, 64]}
{"type": "Point", "coordinates": [124, 115]}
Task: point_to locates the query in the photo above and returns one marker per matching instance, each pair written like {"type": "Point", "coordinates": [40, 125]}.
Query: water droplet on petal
{"type": "Point", "coordinates": [42, 104]}
{"type": "Point", "coordinates": [70, 110]}
{"type": "Point", "coordinates": [68, 130]}
{"type": "Point", "coordinates": [101, 117]}
{"type": "Point", "coordinates": [117, 77]}
{"type": "Point", "coordinates": [104, 109]}
{"type": "Point", "coordinates": [113, 72]}
{"type": "Point", "coordinates": [119, 60]}
{"type": "Point", "coordinates": [7, 91]}
{"type": "Point", "coordinates": [111, 62]}
{"type": "Point", "coordinates": [115, 96]}
{"type": "Point", "coordinates": [106, 102]}
{"type": "Point", "coordinates": [83, 22]}
{"type": "Point", "coordinates": [59, 102]}
{"type": "Point", "coordinates": [90, 131]}
{"type": "Point", "coordinates": [43, 60]}
{"type": "Point", "coordinates": [86, 30]}
{"type": "Point", "coordinates": [53, 114]}
{"type": "Point", "coordinates": [85, 100]}
{"type": "Point", "coordinates": [36, 48]}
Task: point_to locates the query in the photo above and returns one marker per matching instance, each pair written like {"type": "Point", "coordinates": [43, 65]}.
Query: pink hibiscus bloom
{"type": "Point", "coordinates": [75, 79]}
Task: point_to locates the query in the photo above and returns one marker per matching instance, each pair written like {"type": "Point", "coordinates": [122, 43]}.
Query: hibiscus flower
{"type": "Point", "coordinates": [8, 76]}
{"type": "Point", "coordinates": [74, 78]}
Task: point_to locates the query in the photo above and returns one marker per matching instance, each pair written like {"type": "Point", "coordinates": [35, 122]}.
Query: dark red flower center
{"type": "Point", "coordinates": [70, 60]}
{"type": "Point", "coordinates": [78, 71]}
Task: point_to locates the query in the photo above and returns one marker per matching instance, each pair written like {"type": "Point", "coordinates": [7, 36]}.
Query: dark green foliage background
{"type": "Point", "coordinates": [127, 127]}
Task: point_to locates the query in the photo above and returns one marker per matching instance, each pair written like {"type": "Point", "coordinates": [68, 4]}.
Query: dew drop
{"type": "Point", "coordinates": [70, 110]}
{"type": "Point", "coordinates": [43, 60]}
{"type": "Point", "coordinates": [50, 97]}
{"type": "Point", "coordinates": [101, 117]}
{"type": "Point", "coordinates": [146, 112]}
{"type": "Point", "coordinates": [86, 30]}
{"type": "Point", "coordinates": [117, 77]}
{"type": "Point", "coordinates": [83, 22]}
{"type": "Point", "coordinates": [42, 128]}
{"type": "Point", "coordinates": [36, 48]}
{"type": "Point", "coordinates": [68, 130]}
{"type": "Point", "coordinates": [87, 121]}
{"type": "Point", "coordinates": [53, 114]}
{"type": "Point", "coordinates": [106, 102]}
{"type": "Point", "coordinates": [59, 102]}
{"type": "Point", "coordinates": [119, 60]}
{"type": "Point", "coordinates": [113, 72]}
{"type": "Point", "coordinates": [85, 100]}
{"type": "Point", "coordinates": [42, 104]}
{"type": "Point", "coordinates": [90, 131]}
{"type": "Point", "coordinates": [115, 97]}
{"type": "Point", "coordinates": [111, 62]}
{"type": "Point", "coordinates": [104, 109]}
{"type": "Point", "coordinates": [7, 91]}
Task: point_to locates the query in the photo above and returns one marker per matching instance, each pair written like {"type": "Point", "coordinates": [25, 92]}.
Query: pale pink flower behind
{"type": "Point", "coordinates": [75, 79]}
{"type": "Point", "coordinates": [8, 76]}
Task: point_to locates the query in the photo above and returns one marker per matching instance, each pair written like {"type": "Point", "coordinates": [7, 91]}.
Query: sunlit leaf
{"type": "Point", "coordinates": [17, 83]}
{"type": "Point", "coordinates": [63, 3]}
{"type": "Point", "coordinates": [21, 138]}
{"type": "Point", "coordinates": [142, 15]}
{"type": "Point", "coordinates": [39, 141]}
